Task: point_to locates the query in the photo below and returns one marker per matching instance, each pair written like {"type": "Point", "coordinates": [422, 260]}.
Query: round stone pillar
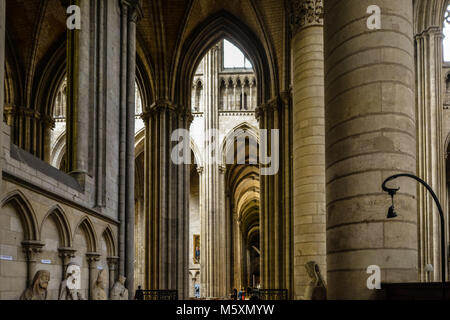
{"type": "Point", "coordinates": [309, 141]}
{"type": "Point", "coordinates": [370, 134]}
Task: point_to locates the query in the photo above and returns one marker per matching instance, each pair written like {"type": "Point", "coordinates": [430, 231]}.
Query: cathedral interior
{"type": "Point", "coordinates": [290, 113]}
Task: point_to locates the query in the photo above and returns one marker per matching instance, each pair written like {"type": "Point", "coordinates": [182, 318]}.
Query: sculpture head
{"type": "Point", "coordinates": [313, 270]}
{"type": "Point", "coordinates": [41, 279]}
{"type": "Point", "coordinates": [40, 284]}
{"type": "Point", "coordinates": [122, 280]}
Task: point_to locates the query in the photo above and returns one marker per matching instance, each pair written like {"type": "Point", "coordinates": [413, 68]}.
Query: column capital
{"type": "Point", "coordinates": [112, 262]}
{"type": "Point", "coordinates": [268, 107]}
{"type": "Point", "coordinates": [92, 257]}
{"type": "Point", "coordinates": [431, 31]}
{"type": "Point", "coordinates": [200, 170]}
{"type": "Point", "coordinates": [161, 106]}
{"type": "Point", "coordinates": [67, 252]}
{"type": "Point", "coordinates": [157, 107]}
{"type": "Point", "coordinates": [305, 13]}
{"type": "Point", "coordinates": [32, 249]}
{"type": "Point", "coordinates": [133, 8]}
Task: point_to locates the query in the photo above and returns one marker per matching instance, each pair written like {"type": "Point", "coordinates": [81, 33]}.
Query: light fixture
{"type": "Point", "coordinates": [392, 214]}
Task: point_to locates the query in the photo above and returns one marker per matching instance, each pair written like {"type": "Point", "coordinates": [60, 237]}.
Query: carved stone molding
{"type": "Point", "coordinates": [270, 106]}
{"type": "Point", "coordinates": [167, 106]}
{"type": "Point", "coordinates": [32, 249]}
{"type": "Point", "coordinates": [305, 13]}
{"type": "Point", "coordinates": [133, 8]}
{"type": "Point", "coordinates": [66, 254]}
{"type": "Point", "coordinates": [112, 262]}
{"type": "Point", "coordinates": [92, 258]}
{"type": "Point", "coordinates": [430, 32]}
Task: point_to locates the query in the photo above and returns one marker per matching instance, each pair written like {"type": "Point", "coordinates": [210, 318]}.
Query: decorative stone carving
{"type": "Point", "coordinates": [66, 254]}
{"type": "Point", "coordinates": [305, 13]}
{"type": "Point", "coordinates": [69, 287]}
{"type": "Point", "coordinates": [118, 291]}
{"type": "Point", "coordinates": [98, 290]}
{"type": "Point", "coordinates": [316, 289]}
{"type": "Point", "coordinates": [38, 288]}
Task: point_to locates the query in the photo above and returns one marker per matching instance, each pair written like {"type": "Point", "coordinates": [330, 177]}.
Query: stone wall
{"type": "Point", "coordinates": [44, 208]}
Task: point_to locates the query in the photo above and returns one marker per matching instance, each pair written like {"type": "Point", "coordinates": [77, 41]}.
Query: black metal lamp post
{"type": "Point", "coordinates": [393, 214]}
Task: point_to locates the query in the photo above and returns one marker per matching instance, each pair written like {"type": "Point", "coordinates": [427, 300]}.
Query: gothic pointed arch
{"type": "Point", "coordinates": [144, 80]}
{"type": "Point", "coordinates": [108, 236]}
{"type": "Point", "coordinates": [27, 216]}
{"type": "Point", "coordinates": [12, 75]}
{"type": "Point", "coordinates": [58, 151]}
{"type": "Point", "coordinates": [52, 75]}
{"type": "Point", "coordinates": [62, 223]}
{"type": "Point", "coordinates": [429, 13]}
{"type": "Point", "coordinates": [207, 34]}
{"type": "Point", "coordinates": [87, 228]}
{"type": "Point", "coordinates": [139, 143]}
{"type": "Point", "coordinates": [197, 154]}
{"type": "Point", "coordinates": [243, 129]}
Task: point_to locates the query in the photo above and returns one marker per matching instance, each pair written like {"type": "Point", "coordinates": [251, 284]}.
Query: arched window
{"type": "Point", "coordinates": [139, 107]}
{"type": "Point", "coordinates": [446, 43]}
{"type": "Point", "coordinates": [138, 101]}
{"type": "Point", "coordinates": [59, 110]}
{"type": "Point", "coordinates": [234, 58]}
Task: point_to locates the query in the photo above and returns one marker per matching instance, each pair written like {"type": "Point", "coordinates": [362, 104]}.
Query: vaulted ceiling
{"type": "Point", "coordinates": [34, 30]}
{"type": "Point", "coordinates": [168, 26]}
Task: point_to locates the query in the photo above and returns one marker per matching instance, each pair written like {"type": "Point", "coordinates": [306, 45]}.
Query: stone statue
{"type": "Point", "coordinates": [98, 290]}
{"type": "Point", "coordinates": [118, 291]}
{"type": "Point", "coordinates": [316, 289]}
{"type": "Point", "coordinates": [70, 286]}
{"type": "Point", "coordinates": [38, 289]}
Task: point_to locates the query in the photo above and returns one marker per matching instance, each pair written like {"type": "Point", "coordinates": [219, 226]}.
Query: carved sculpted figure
{"type": "Point", "coordinates": [316, 289]}
{"type": "Point", "coordinates": [118, 291]}
{"type": "Point", "coordinates": [98, 290]}
{"type": "Point", "coordinates": [69, 287]}
{"type": "Point", "coordinates": [38, 289]}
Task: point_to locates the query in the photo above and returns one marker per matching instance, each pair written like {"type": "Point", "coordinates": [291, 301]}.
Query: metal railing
{"type": "Point", "coordinates": [156, 295]}
{"type": "Point", "coordinates": [271, 294]}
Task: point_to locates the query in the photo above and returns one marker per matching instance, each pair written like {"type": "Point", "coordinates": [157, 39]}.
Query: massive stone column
{"type": "Point", "coordinates": [166, 201]}
{"type": "Point", "coordinates": [430, 146]}
{"type": "Point", "coordinates": [370, 134]}
{"type": "Point", "coordinates": [309, 140]}
{"type": "Point", "coordinates": [78, 80]}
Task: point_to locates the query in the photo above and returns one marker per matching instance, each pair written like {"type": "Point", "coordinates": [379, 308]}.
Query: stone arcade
{"type": "Point", "coordinates": [87, 177]}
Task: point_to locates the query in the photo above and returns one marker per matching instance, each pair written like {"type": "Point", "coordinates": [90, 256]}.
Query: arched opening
{"type": "Point", "coordinates": [242, 185]}
{"type": "Point", "coordinates": [58, 130]}
{"type": "Point", "coordinates": [57, 157]}
{"type": "Point", "coordinates": [227, 108]}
